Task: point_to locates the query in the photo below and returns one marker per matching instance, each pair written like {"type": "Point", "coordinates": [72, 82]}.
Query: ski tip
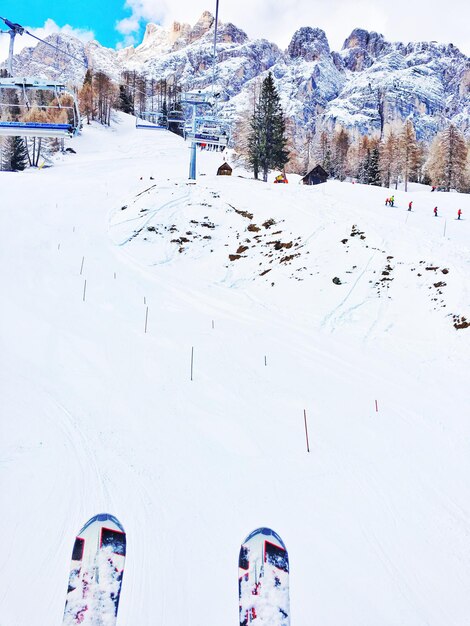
{"type": "Point", "coordinates": [103, 517]}
{"type": "Point", "coordinates": [268, 532]}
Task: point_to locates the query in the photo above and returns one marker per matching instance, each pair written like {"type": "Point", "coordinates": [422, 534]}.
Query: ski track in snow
{"type": "Point", "coordinates": [343, 313]}
{"type": "Point", "coordinates": [176, 204]}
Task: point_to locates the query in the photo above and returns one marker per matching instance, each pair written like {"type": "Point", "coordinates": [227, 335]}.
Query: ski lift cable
{"type": "Point", "coordinates": [17, 29]}
{"type": "Point", "coordinates": [31, 128]}
{"type": "Point", "coordinates": [8, 105]}
{"type": "Point", "coordinates": [215, 46]}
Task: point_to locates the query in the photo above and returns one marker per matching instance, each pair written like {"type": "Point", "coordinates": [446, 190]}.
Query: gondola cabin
{"type": "Point", "coordinates": [316, 176]}
{"type": "Point", "coordinates": [224, 170]}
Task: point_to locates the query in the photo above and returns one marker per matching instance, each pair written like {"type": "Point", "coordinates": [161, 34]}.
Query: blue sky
{"type": "Point", "coordinates": [115, 23]}
{"type": "Point", "coordinates": [97, 16]}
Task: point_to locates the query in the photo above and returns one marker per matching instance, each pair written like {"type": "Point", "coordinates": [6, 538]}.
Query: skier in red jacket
{"type": "Point", "coordinates": [410, 205]}
{"type": "Point", "coordinates": [435, 211]}
{"type": "Point", "coordinates": [459, 213]}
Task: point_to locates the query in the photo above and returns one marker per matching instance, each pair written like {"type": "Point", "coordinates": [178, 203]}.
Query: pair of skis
{"type": "Point", "coordinates": [97, 568]}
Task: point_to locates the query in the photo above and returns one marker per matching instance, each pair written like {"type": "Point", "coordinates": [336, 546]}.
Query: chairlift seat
{"type": "Point", "coordinates": [39, 129]}
{"type": "Point", "coordinates": [208, 139]}
{"type": "Point", "coordinates": [35, 129]}
{"type": "Point", "coordinates": [149, 126]}
{"type": "Point", "coordinates": [151, 120]}
{"type": "Point", "coordinates": [18, 82]}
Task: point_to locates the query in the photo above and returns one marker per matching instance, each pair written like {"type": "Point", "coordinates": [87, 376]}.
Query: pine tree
{"type": "Point", "coordinates": [322, 150]}
{"type": "Point", "coordinates": [86, 97]}
{"type": "Point", "coordinates": [374, 177]}
{"type": "Point", "coordinates": [267, 141]}
{"type": "Point", "coordinates": [364, 168]}
{"type": "Point", "coordinates": [359, 157]}
{"type": "Point", "coordinates": [448, 160]}
{"type": "Point", "coordinates": [105, 92]}
{"type": "Point", "coordinates": [408, 152]}
{"type": "Point", "coordinates": [254, 148]}
{"type": "Point", "coordinates": [388, 159]}
{"type": "Point", "coordinates": [242, 131]}
{"type": "Point", "coordinates": [97, 97]}
{"type": "Point", "coordinates": [88, 80]}
{"type": "Point", "coordinates": [422, 152]}
{"type": "Point", "coordinates": [125, 102]}
{"type": "Point", "coordinates": [15, 155]}
{"type": "Point", "coordinates": [140, 95]}
{"type": "Point", "coordinates": [340, 149]}
{"type": "Point", "coordinates": [308, 149]}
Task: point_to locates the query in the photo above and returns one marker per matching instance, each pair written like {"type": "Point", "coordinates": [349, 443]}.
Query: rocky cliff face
{"type": "Point", "coordinates": [368, 84]}
{"type": "Point", "coordinates": [361, 49]}
{"type": "Point", "coordinates": [426, 81]}
{"type": "Point", "coordinates": [309, 44]}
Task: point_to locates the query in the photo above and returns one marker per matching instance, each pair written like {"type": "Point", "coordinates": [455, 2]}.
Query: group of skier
{"type": "Point", "coordinates": [459, 212]}
{"type": "Point", "coordinates": [391, 202]}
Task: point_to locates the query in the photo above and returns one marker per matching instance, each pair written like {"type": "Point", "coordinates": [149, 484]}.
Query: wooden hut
{"type": "Point", "coordinates": [315, 176]}
{"type": "Point", "coordinates": [224, 170]}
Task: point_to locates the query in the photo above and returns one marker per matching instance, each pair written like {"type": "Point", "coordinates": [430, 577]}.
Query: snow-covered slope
{"type": "Point", "coordinates": [99, 415]}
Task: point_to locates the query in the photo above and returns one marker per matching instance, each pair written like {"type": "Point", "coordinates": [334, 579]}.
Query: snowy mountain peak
{"type": "Point", "coordinates": [309, 44]}
{"type": "Point", "coordinates": [203, 24]}
{"type": "Point", "coordinates": [319, 88]}
{"type": "Point", "coordinates": [159, 41]}
{"type": "Point", "coordinates": [365, 40]}
{"type": "Point", "coordinates": [229, 33]}
{"type": "Point", "coordinates": [154, 33]}
{"type": "Point", "coordinates": [186, 35]}
{"type": "Point", "coordinates": [361, 48]}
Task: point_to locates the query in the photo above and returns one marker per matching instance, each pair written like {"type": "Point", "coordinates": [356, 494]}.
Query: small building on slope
{"type": "Point", "coordinates": [316, 176]}
{"type": "Point", "coordinates": [224, 170]}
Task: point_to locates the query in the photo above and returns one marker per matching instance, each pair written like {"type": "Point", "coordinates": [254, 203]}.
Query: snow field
{"type": "Point", "coordinates": [98, 415]}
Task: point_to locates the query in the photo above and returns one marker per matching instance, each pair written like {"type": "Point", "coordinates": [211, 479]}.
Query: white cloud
{"type": "Point", "coordinates": [49, 28]}
{"type": "Point", "coordinates": [128, 25]}
{"type": "Point", "coordinates": [277, 20]}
